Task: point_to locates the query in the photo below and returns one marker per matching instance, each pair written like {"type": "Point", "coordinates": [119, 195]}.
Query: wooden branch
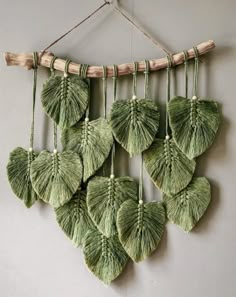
{"type": "Point", "coordinates": [26, 60]}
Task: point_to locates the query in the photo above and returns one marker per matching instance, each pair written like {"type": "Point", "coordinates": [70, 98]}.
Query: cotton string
{"type": "Point", "coordinates": [114, 77]}
{"type": "Point", "coordinates": [54, 123]}
{"type": "Point", "coordinates": [83, 74]}
{"type": "Point", "coordinates": [35, 68]}
{"type": "Point", "coordinates": [135, 80]}
{"type": "Point", "coordinates": [146, 80]}
{"type": "Point", "coordinates": [186, 73]}
{"type": "Point", "coordinates": [196, 66]}
{"type": "Point", "coordinates": [104, 90]}
{"type": "Point", "coordinates": [140, 196]}
{"type": "Point", "coordinates": [169, 65]}
{"type": "Point", "coordinates": [94, 12]}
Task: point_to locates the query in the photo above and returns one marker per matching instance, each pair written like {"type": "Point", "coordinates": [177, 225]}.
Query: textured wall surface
{"type": "Point", "coordinates": [36, 259]}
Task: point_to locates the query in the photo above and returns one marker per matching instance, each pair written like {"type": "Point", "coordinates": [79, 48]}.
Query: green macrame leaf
{"type": "Point", "coordinates": [140, 227]}
{"type": "Point", "coordinates": [56, 177]}
{"type": "Point", "coordinates": [65, 99]}
{"type": "Point", "coordinates": [135, 123]}
{"type": "Point", "coordinates": [188, 206]}
{"type": "Point", "coordinates": [105, 257]}
{"type": "Point", "coordinates": [194, 124]}
{"type": "Point", "coordinates": [74, 219]}
{"type": "Point", "coordinates": [92, 141]}
{"type": "Point", "coordinates": [168, 166]}
{"type": "Point", "coordinates": [18, 170]}
{"type": "Point", "coordinates": [104, 198]}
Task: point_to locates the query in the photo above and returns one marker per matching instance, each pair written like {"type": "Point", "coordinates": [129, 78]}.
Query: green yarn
{"type": "Point", "coordinates": [92, 140]}
{"type": "Point", "coordinates": [135, 122]}
{"type": "Point", "coordinates": [56, 176]}
{"type": "Point", "coordinates": [65, 99]}
{"type": "Point", "coordinates": [73, 218]}
{"type": "Point", "coordinates": [104, 198]}
{"type": "Point", "coordinates": [168, 167]}
{"type": "Point", "coordinates": [19, 164]}
{"type": "Point", "coordinates": [18, 170]}
{"type": "Point", "coordinates": [194, 124]}
{"type": "Point", "coordinates": [188, 206]}
{"type": "Point", "coordinates": [105, 257]}
{"type": "Point", "coordinates": [140, 227]}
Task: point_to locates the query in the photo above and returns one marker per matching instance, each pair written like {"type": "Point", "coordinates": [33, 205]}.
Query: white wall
{"type": "Point", "coordinates": [36, 259]}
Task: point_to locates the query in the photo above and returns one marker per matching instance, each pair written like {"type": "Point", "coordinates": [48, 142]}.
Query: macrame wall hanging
{"type": "Point", "coordinates": [99, 211]}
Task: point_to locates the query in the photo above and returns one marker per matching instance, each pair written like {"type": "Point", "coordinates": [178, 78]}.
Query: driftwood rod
{"type": "Point", "coordinates": [26, 60]}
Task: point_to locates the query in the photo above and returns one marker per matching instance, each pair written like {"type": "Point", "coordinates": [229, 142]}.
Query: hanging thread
{"type": "Point", "coordinates": [141, 180]}
{"type": "Point", "coordinates": [83, 74]}
{"type": "Point", "coordinates": [186, 73]}
{"type": "Point", "coordinates": [135, 80]}
{"type": "Point", "coordinates": [158, 44]}
{"type": "Point", "coordinates": [196, 68]}
{"type": "Point", "coordinates": [146, 80]}
{"type": "Point", "coordinates": [52, 70]}
{"type": "Point", "coordinates": [35, 68]}
{"type": "Point", "coordinates": [104, 86]}
{"type": "Point", "coordinates": [169, 66]}
{"type": "Point", "coordinates": [114, 77]}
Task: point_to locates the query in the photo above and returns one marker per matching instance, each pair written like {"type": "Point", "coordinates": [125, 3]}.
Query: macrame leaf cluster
{"type": "Point", "coordinates": [168, 166]}
{"type": "Point", "coordinates": [56, 176]}
{"type": "Point", "coordinates": [134, 123]}
{"type": "Point", "coordinates": [92, 141]}
{"type": "Point", "coordinates": [188, 206]}
{"type": "Point", "coordinates": [140, 227]}
{"type": "Point", "coordinates": [105, 257]}
{"type": "Point", "coordinates": [65, 99]}
{"type": "Point", "coordinates": [194, 124]}
{"type": "Point", "coordinates": [18, 170]}
{"type": "Point", "coordinates": [105, 196]}
{"type": "Point", "coordinates": [73, 218]}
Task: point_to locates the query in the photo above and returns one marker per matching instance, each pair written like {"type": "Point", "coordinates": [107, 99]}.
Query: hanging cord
{"type": "Point", "coordinates": [140, 193]}
{"type": "Point", "coordinates": [93, 13]}
{"type": "Point", "coordinates": [83, 74]}
{"type": "Point", "coordinates": [196, 68]}
{"type": "Point", "coordinates": [158, 44]}
{"type": "Point", "coordinates": [146, 80]}
{"type": "Point", "coordinates": [169, 66]}
{"type": "Point", "coordinates": [114, 77]}
{"type": "Point", "coordinates": [73, 28]}
{"type": "Point", "coordinates": [66, 68]}
{"type": "Point", "coordinates": [104, 90]}
{"type": "Point", "coordinates": [35, 68]}
{"type": "Point", "coordinates": [52, 70]}
{"type": "Point", "coordinates": [135, 71]}
{"type": "Point", "coordinates": [186, 73]}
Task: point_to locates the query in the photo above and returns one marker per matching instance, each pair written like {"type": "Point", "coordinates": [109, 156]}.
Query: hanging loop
{"type": "Point", "coordinates": [108, 2]}
{"type": "Point", "coordinates": [196, 52]}
{"type": "Point", "coordinates": [83, 70]}
{"type": "Point", "coordinates": [104, 78]}
{"type": "Point", "coordinates": [114, 77]}
{"type": "Point", "coordinates": [66, 68]}
{"type": "Point", "coordinates": [52, 64]}
{"type": "Point", "coordinates": [195, 84]}
{"type": "Point", "coordinates": [185, 56]}
{"type": "Point", "coordinates": [170, 62]}
{"type": "Point", "coordinates": [115, 71]}
{"type": "Point", "coordinates": [35, 60]}
{"type": "Point", "coordinates": [186, 72]}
